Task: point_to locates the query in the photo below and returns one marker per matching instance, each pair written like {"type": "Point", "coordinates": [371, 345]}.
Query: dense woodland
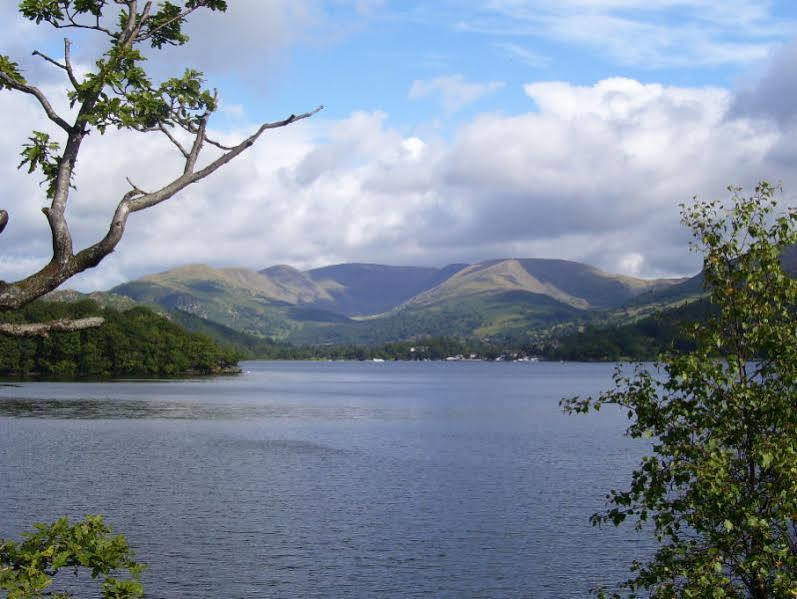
{"type": "Point", "coordinates": [140, 343]}
{"type": "Point", "coordinates": [643, 339]}
{"type": "Point", "coordinates": [133, 343]}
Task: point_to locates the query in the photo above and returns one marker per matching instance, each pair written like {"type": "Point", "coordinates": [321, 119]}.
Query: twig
{"type": "Point", "coordinates": [39, 95]}
{"type": "Point", "coordinates": [135, 187]}
{"type": "Point", "coordinates": [68, 63]}
{"type": "Point", "coordinates": [180, 147]}
{"type": "Point", "coordinates": [48, 59]}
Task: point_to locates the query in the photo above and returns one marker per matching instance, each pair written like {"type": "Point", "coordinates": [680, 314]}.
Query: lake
{"type": "Point", "coordinates": [344, 479]}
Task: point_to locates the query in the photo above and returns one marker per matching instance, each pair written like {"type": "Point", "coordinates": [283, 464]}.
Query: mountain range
{"type": "Point", "coordinates": [371, 303]}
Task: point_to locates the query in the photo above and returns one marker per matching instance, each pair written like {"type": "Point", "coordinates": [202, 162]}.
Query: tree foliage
{"type": "Point", "coordinates": [720, 486]}
{"type": "Point", "coordinates": [116, 93]}
{"type": "Point", "coordinates": [133, 343]}
{"type": "Point", "coordinates": [643, 339]}
{"type": "Point", "coordinates": [29, 569]}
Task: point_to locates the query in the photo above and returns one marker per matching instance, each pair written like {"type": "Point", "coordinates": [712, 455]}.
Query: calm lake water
{"type": "Point", "coordinates": [333, 479]}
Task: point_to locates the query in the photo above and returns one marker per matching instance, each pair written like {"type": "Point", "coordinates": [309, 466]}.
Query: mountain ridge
{"type": "Point", "coordinates": [367, 302]}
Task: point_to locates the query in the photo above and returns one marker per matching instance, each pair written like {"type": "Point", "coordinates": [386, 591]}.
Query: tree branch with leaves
{"type": "Point", "coordinates": [719, 488]}
{"type": "Point", "coordinates": [117, 93]}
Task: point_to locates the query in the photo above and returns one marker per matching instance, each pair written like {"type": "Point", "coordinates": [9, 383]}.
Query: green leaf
{"type": "Point", "coordinates": [11, 69]}
{"type": "Point", "coordinates": [766, 460]}
{"type": "Point", "coordinates": [39, 154]}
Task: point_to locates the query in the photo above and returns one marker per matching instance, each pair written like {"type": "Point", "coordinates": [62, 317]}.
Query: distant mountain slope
{"type": "Point", "coordinates": [506, 315]}
{"type": "Point", "coordinates": [297, 286]}
{"type": "Point", "coordinates": [363, 289]}
{"type": "Point", "coordinates": [689, 289]}
{"type": "Point", "coordinates": [375, 303]}
{"type": "Point", "coordinates": [241, 299]}
{"type": "Point", "coordinates": [577, 285]}
{"type": "Point", "coordinates": [202, 278]}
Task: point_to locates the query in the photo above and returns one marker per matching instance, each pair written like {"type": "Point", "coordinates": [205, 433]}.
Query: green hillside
{"type": "Point", "coordinates": [496, 316]}
{"type": "Point", "coordinates": [373, 304]}
{"type": "Point", "coordinates": [132, 343]}
{"type": "Point", "coordinates": [215, 300]}
{"type": "Point", "coordinates": [365, 289]}
{"type": "Point", "coordinates": [578, 285]}
{"type": "Point", "coordinates": [641, 339]}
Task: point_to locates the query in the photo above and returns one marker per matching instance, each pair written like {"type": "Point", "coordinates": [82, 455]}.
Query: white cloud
{"type": "Point", "coordinates": [525, 55]}
{"type": "Point", "coordinates": [645, 33]}
{"type": "Point", "coordinates": [454, 91]}
{"type": "Point", "coordinates": [772, 95]}
{"type": "Point", "coordinates": [246, 35]}
{"type": "Point", "coordinates": [594, 173]}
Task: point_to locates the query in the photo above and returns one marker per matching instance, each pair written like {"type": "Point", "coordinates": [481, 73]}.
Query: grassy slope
{"type": "Point", "coordinates": [506, 315]}
{"type": "Point", "coordinates": [363, 289]}
{"type": "Point", "coordinates": [497, 299]}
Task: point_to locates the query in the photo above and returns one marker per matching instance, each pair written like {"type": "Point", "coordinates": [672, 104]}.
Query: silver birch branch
{"type": "Point", "coordinates": [43, 329]}
{"type": "Point", "coordinates": [65, 265]}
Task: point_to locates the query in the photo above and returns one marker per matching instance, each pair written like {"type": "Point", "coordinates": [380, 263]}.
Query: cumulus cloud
{"type": "Point", "coordinates": [607, 163]}
{"type": "Point", "coordinates": [248, 34]}
{"type": "Point", "coordinates": [772, 95]}
{"type": "Point", "coordinates": [453, 90]}
{"type": "Point", "coordinates": [592, 173]}
{"type": "Point", "coordinates": [248, 38]}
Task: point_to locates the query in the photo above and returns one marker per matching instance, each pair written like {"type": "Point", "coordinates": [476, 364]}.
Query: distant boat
{"type": "Point", "coordinates": [378, 360]}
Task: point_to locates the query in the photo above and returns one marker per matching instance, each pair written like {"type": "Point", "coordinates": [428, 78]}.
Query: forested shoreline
{"type": "Point", "coordinates": [141, 343]}
{"type": "Point", "coordinates": [131, 343]}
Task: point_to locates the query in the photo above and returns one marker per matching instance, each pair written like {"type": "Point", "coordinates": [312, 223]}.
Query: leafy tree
{"type": "Point", "coordinates": [29, 569]}
{"type": "Point", "coordinates": [118, 93]}
{"type": "Point", "coordinates": [719, 488]}
{"type": "Point", "coordinates": [136, 342]}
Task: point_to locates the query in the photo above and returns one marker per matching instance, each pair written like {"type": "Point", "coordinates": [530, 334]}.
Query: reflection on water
{"type": "Point", "coordinates": [131, 409]}
{"type": "Point", "coordinates": [332, 480]}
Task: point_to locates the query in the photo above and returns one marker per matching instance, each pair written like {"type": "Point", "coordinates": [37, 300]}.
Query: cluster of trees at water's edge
{"type": "Point", "coordinates": [141, 343]}
{"type": "Point", "coordinates": [133, 343]}
{"type": "Point", "coordinates": [643, 339]}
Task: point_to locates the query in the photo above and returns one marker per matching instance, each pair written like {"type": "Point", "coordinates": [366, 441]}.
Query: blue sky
{"type": "Point", "coordinates": [454, 131]}
{"type": "Point", "coordinates": [368, 59]}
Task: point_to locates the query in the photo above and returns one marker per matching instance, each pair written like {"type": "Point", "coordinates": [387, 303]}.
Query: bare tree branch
{"type": "Point", "coordinates": [73, 24]}
{"type": "Point", "coordinates": [168, 134]}
{"type": "Point", "coordinates": [217, 144]}
{"type": "Point", "coordinates": [68, 63]}
{"type": "Point", "coordinates": [199, 139]}
{"type": "Point", "coordinates": [64, 263]}
{"type": "Point", "coordinates": [291, 119]}
{"type": "Point", "coordinates": [135, 187]}
{"type": "Point", "coordinates": [43, 329]}
{"type": "Point", "coordinates": [39, 95]}
{"type": "Point", "coordinates": [15, 295]}
{"type": "Point", "coordinates": [48, 59]}
{"type": "Point", "coordinates": [67, 66]}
